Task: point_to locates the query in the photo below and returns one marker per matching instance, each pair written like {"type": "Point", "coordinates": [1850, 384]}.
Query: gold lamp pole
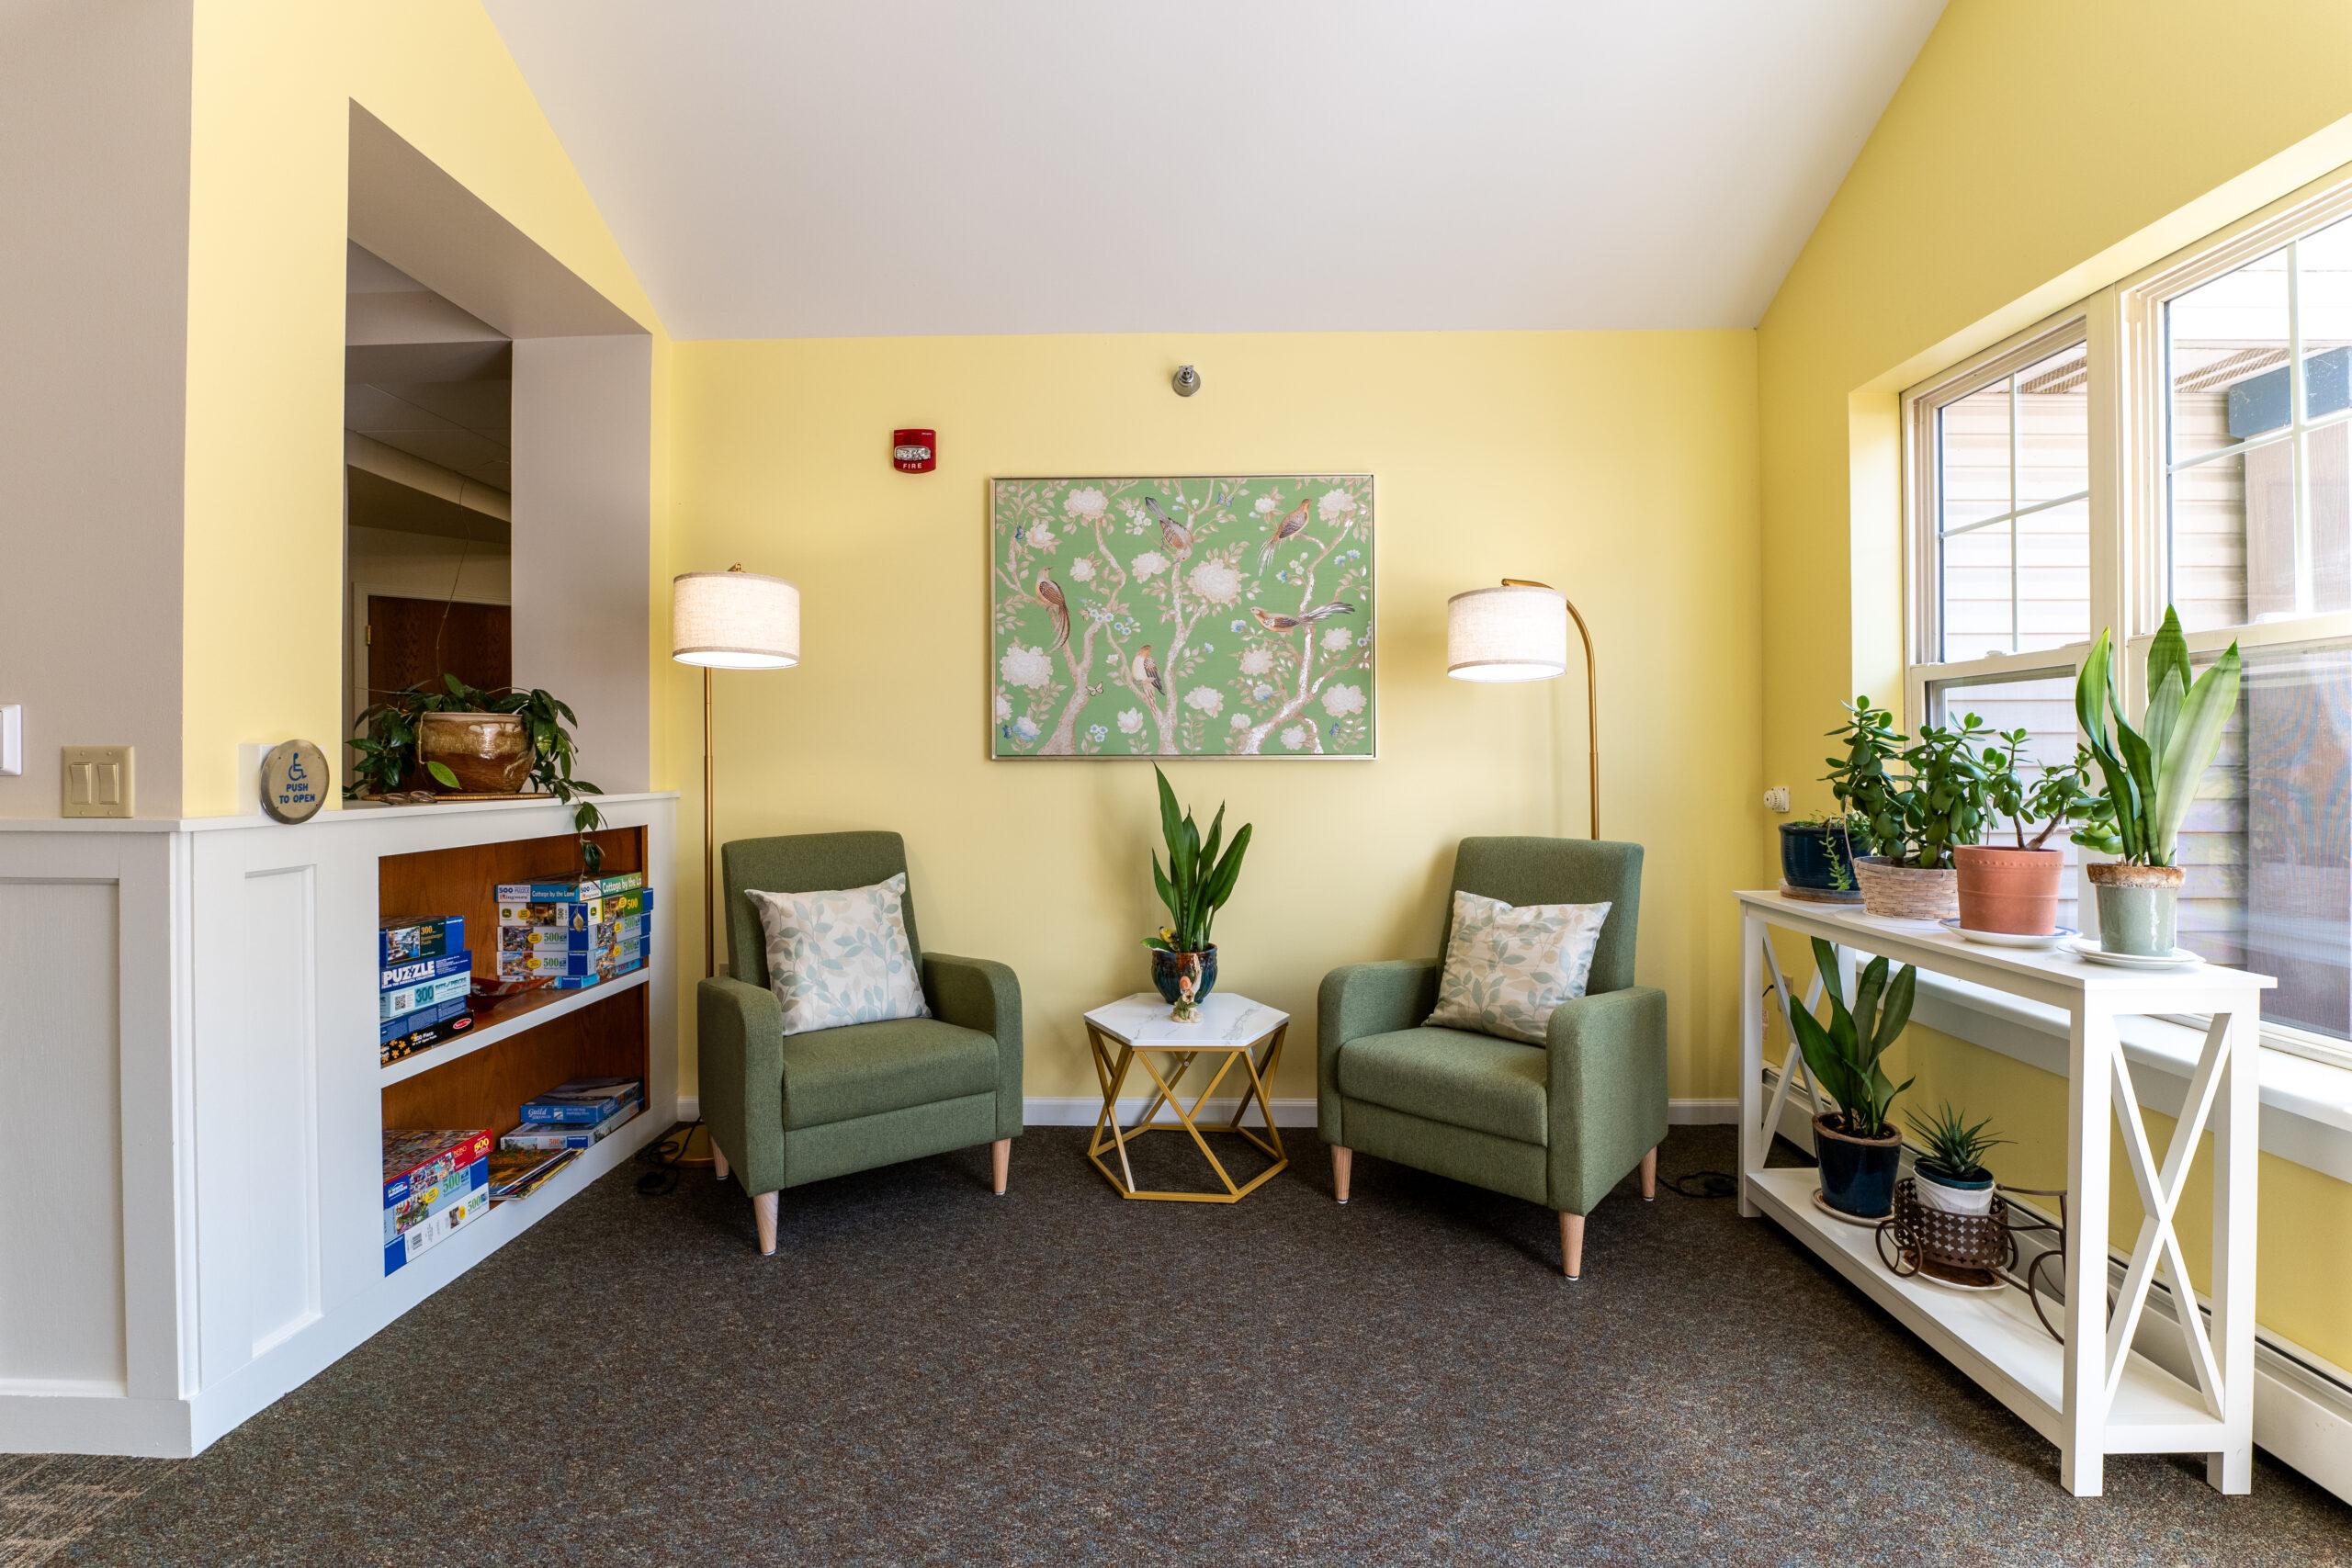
{"type": "Point", "coordinates": [1518, 631]}
{"type": "Point", "coordinates": [728, 620]}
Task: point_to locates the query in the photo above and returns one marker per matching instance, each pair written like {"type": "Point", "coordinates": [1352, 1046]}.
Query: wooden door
{"type": "Point", "coordinates": [412, 641]}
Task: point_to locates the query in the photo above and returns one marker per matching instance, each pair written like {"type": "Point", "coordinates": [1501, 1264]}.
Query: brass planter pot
{"type": "Point", "coordinates": [489, 752]}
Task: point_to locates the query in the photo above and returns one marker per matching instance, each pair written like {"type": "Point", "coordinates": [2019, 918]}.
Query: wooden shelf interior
{"type": "Point", "coordinates": [606, 1038]}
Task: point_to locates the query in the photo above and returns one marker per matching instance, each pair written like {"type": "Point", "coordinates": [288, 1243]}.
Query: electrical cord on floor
{"type": "Point", "coordinates": [662, 1159]}
{"type": "Point", "coordinates": [1709, 1184]}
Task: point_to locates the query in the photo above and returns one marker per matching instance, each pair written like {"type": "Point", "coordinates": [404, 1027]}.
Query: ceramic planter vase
{"type": "Point", "coordinates": [1815, 857]}
{"type": "Point", "coordinates": [1164, 965]}
{"type": "Point", "coordinates": [2009, 890]}
{"type": "Point", "coordinates": [1857, 1174]}
{"type": "Point", "coordinates": [1936, 1190]}
{"type": "Point", "coordinates": [489, 752]}
{"type": "Point", "coordinates": [2139, 908]}
{"type": "Point", "coordinates": [1905, 892]}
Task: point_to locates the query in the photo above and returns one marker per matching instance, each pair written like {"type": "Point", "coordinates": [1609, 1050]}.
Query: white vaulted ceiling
{"type": "Point", "coordinates": [780, 168]}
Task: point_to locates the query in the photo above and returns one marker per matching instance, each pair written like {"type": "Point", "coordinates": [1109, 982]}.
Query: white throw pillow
{"type": "Point", "coordinates": [1507, 967]}
{"type": "Point", "coordinates": [843, 957]}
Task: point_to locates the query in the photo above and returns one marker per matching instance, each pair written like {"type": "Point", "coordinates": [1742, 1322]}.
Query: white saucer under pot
{"type": "Point", "coordinates": [2007, 939]}
{"type": "Point", "coordinates": [2178, 958]}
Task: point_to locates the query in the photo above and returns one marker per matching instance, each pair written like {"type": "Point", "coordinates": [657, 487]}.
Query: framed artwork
{"type": "Point", "coordinates": [1224, 616]}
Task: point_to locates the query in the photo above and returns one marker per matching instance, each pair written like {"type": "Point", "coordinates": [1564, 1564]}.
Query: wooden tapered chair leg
{"type": "Point", "coordinates": [1571, 1244]}
{"type": "Point", "coordinates": [763, 1208]}
{"type": "Point", "coordinates": [718, 1159]}
{"type": "Point", "coordinates": [1001, 1163]}
{"type": "Point", "coordinates": [1649, 1176]}
{"type": "Point", "coordinates": [1343, 1163]}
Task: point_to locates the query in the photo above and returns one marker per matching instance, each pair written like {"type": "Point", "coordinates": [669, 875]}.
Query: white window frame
{"type": "Point", "coordinates": [2122, 329]}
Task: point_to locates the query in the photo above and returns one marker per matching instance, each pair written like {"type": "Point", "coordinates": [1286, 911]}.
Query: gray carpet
{"type": "Point", "coordinates": [930, 1374]}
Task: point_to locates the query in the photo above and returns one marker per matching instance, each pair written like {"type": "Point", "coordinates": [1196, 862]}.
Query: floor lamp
{"type": "Point", "coordinates": [1519, 632]}
{"type": "Point", "coordinates": [728, 620]}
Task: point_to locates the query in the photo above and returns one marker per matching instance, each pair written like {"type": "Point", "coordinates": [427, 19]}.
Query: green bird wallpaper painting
{"type": "Point", "coordinates": [1226, 617]}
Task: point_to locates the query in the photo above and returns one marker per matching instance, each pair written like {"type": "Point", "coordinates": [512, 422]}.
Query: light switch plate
{"type": "Point", "coordinates": [12, 739]}
{"type": "Point", "coordinates": [94, 780]}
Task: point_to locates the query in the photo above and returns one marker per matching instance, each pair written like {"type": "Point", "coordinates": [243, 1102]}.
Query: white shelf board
{"type": "Point", "coordinates": [506, 1029]}
{"type": "Point", "coordinates": [1995, 1338]}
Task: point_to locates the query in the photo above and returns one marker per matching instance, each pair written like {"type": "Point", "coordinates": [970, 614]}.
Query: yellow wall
{"type": "Point", "coordinates": [274, 82]}
{"type": "Point", "coordinates": [1621, 467]}
{"type": "Point", "coordinates": [2035, 153]}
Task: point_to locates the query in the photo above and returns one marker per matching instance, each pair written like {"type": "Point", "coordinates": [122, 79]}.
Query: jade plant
{"type": "Point", "coordinates": [1198, 879]}
{"type": "Point", "coordinates": [1843, 1053]}
{"type": "Point", "coordinates": [386, 748]}
{"type": "Point", "coordinates": [1921, 798]}
{"type": "Point", "coordinates": [2059, 794]}
{"type": "Point", "coordinates": [2152, 770]}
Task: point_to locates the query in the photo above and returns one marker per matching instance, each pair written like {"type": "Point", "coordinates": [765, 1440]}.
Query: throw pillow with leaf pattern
{"type": "Point", "coordinates": [840, 958]}
{"type": "Point", "coordinates": [1507, 967]}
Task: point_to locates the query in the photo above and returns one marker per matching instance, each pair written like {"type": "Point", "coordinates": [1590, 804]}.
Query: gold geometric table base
{"type": "Point", "coordinates": [1110, 1135]}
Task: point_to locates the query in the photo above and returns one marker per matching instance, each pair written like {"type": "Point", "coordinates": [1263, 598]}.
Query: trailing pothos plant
{"type": "Point", "coordinates": [386, 748]}
{"type": "Point", "coordinates": [2151, 771]}
{"type": "Point", "coordinates": [1197, 881]}
{"type": "Point", "coordinates": [1843, 1053]}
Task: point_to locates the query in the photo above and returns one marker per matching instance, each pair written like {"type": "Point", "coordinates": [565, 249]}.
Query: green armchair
{"type": "Point", "coordinates": [783, 1111]}
{"type": "Point", "coordinates": [1559, 1124]}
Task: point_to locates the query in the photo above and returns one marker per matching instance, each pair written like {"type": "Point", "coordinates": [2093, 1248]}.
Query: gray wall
{"type": "Point", "coordinates": [583, 474]}
{"type": "Point", "coordinates": [94, 201]}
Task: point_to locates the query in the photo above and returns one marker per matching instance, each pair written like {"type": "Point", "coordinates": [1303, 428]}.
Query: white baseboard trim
{"type": "Point", "coordinates": [2302, 1404]}
{"type": "Point", "coordinates": [1703, 1112]}
{"type": "Point", "coordinates": [1080, 1110]}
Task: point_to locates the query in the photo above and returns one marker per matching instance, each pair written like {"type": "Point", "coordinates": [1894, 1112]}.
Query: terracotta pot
{"type": "Point", "coordinates": [2139, 908]}
{"type": "Point", "coordinates": [1857, 1174]}
{"type": "Point", "coordinates": [489, 752]}
{"type": "Point", "coordinates": [2014, 891]}
{"type": "Point", "coordinates": [1905, 892]}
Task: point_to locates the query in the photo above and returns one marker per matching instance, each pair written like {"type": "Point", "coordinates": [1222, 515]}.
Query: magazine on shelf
{"type": "Point", "coordinates": [518, 1173]}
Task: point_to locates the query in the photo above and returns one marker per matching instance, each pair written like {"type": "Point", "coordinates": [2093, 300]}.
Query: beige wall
{"type": "Point", "coordinates": [94, 190]}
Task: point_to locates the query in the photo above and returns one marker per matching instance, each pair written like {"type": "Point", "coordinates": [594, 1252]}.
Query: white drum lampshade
{"type": "Point", "coordinates": [1513, 633]}
{"type": "Point", "coordinates": [734, 620]}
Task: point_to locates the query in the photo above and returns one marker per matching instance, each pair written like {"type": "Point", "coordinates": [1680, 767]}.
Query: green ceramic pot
{"type": "Point", "coordinates": [2139, 909]}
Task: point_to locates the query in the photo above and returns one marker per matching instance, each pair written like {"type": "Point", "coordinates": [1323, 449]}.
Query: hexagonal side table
{"type": "Point", "coordinates": [1133, 1030]}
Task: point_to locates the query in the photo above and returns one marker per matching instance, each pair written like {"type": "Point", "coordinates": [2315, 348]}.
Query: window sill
{"type": "Point", "coordinates": [2306, 1105]}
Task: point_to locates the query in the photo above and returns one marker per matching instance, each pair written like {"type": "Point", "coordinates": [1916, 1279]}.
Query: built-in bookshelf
{"type": "Point", "coordinates": [521, 1045]}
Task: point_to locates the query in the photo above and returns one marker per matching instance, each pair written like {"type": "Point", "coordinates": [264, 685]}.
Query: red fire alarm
{"type": "Point", "coordinates": [914, 451]}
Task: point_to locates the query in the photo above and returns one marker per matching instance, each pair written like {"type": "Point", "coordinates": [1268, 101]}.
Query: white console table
{"type": "Point", "coordinates": [2094, 1395]}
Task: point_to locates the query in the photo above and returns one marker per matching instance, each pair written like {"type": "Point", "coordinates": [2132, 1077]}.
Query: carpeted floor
{"type": "Point", "coordinates": [929, 1374]}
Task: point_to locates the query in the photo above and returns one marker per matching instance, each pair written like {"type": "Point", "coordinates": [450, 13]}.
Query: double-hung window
{"type": "Point", "coordinates": [2183, 438]}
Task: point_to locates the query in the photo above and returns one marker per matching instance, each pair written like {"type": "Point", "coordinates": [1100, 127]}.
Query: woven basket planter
{"type": "Point", "coordinates": [1905, 892]}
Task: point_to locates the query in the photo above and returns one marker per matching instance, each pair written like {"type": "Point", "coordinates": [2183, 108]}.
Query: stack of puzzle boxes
{"type": "Point", "coordinates": [435, 1184]}
{"type": "Point", "coordinates": [574, 933]}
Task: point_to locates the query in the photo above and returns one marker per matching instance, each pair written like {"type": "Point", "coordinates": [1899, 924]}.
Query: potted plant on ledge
{"type": "Point", "coordinates": [1857, 1152]}
{"type": "Point", "coordinates": [1920, 800]}
{"type": "Point", "coordinates": [1951, 1176]}
{"type": "Point", "coordinates": [2152, 774]}
{"type": "Point", "coordinates": [2014, 891]}
{"type": "Point", "coordinates": [1817, 857]}
{"type": "Point", "coordinates": [1194, 886]}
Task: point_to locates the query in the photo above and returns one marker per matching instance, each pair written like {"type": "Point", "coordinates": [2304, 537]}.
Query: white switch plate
{"type": "Point", "coordinates": [12, 739]}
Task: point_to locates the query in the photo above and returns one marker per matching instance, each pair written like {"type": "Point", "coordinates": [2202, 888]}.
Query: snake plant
{"type": "Point", "coordinates": [1197, 880]}
{"type": "Point", "coordinates": [1843, 1053]}
{"type": "Point", "coordinates": [2151, 771]}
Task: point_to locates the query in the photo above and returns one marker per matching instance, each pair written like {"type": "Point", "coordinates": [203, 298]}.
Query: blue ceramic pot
{"type": "Point", "coordinates": [1857, 1174]}
{"type": "Point", "coordinates": [1163, 973]}
{"type": "Point", "coordinates": [1813, 856]}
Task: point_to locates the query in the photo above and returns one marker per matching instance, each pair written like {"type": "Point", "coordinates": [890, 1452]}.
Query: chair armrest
{"type": "Point", "coordinates": [739, 1077]}
{"type": "Point", "coordinates": [979, 993]}
{"type": "Point", "coordinates": [1358, 999]}
{"type": "Point", "coordinates": [1606, 1090]}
